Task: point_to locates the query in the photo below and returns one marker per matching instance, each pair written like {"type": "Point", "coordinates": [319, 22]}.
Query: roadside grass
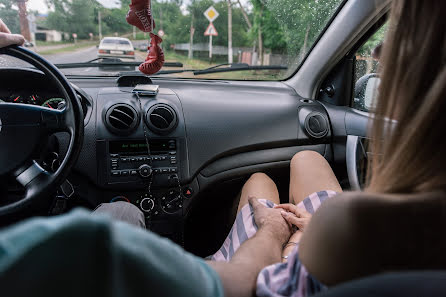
{"type": "Point", "coordinates": [45, 43]}
{"type": "Point", "coordinates": [236, 75]}
{"type": "Point", "coordinates": [69, 48]}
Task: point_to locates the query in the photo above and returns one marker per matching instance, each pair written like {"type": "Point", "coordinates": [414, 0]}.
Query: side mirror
{"type": "Point", "coordinates": [366, 91]}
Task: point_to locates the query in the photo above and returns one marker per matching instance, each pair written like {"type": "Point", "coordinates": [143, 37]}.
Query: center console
{"type": "Point", "coordinates": [147, 176]}
{"type": "Point", "coordinates": [141, 156]}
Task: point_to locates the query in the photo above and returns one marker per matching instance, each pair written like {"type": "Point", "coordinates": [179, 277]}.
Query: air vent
{"type": "Point", "coordinates": [316, 125]}
{"type": "Point", "coordinates": [121, 119]}
{"type": "Point", "coordinates": [161, 118]}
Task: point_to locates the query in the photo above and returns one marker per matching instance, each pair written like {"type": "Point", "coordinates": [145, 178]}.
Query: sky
{"type": "Point", "coordinates": [40, 5]}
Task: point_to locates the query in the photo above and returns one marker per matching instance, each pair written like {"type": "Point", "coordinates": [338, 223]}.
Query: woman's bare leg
{"type": "Point", "coordinates": [310, 173]}
{"type": "Point", "coordinates": [261, 186]}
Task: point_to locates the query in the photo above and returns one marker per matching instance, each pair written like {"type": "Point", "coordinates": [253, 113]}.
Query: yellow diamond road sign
{"type": "Point", "coordinates": [211, 14]}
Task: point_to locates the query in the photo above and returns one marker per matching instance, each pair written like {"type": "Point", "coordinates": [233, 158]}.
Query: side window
{"type": "Point", "coordinates": [366, 71]}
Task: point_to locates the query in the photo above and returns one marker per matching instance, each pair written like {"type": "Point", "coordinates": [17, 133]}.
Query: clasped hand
{"type": "Point", "coordinates": [6, 38]}
{"type": "Point", "coordinates": [271, 220]}
{"type": "Point", "coordinates": [294, 215]}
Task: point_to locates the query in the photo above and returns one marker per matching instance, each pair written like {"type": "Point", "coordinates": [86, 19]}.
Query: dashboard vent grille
{"type": "Point", "coordinates": [161, 118]}
{"type": "Point", "coordinates": [121, 119]}
{"type": "Point", "coordinates": [316, 125]}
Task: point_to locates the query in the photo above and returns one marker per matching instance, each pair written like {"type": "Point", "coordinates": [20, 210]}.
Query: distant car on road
{"type": "Point", "coordinates": [116, 47]}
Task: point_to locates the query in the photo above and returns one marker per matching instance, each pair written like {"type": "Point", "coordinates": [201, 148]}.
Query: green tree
{"type": "Point", "coordinates": [74, 16]}
{"type": "Point", "coordinates": [291, 26]}
{"type": "Point", "coordinates": [10, 15]}
{"type": "Point", "coordinates": [239, 27]}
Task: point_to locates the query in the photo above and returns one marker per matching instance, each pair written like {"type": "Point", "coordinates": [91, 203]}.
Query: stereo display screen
{"type": "Point", "coordinates": [138, 147]}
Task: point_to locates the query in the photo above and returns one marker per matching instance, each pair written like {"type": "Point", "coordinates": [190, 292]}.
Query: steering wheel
{"type": "Point", "coordinates": [22, 129]}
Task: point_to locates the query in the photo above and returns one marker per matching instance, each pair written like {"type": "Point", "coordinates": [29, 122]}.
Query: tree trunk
{"type": "Point", "coordinates": [245, 15]}
{"type": "Point", "coordinates": [24, 25]}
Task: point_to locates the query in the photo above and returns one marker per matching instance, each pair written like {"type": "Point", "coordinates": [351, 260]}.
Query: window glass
{"type": "Point", "coordinates": [277, 34]}
{"type": "Point", "coordinates": [366, 71]}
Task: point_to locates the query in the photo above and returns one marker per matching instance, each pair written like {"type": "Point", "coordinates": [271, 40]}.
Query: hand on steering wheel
{"type": "Point", "coordinates": [6, 38]}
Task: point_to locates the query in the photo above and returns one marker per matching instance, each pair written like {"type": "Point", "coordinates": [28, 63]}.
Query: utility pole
{"type": "Point", "coordinates": [100, 25]}
{"type": "Point", "coordinates": [191, 38]}
{"type": "Point", "coordinates": [24, 24]}
{"type": "Point", "coordinates": [230, 54]}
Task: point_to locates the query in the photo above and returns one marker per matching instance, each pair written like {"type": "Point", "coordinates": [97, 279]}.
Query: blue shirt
{"type": "Point", "coordinates": [79, 254]}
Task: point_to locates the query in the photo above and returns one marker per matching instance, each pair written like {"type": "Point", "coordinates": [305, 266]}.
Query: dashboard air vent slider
{"type": "Point", "coordinates": [121, 119]}
{"type": "Point", "coordinates": [161, 118]}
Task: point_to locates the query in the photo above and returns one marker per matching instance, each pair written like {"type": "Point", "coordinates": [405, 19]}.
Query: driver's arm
{"type": "Point", "coordinates": [6, 38]}
{"type": "Point", "coordinates": [239, 276]}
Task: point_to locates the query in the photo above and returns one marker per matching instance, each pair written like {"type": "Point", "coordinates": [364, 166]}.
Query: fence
{"type": "Point", "coordinates": [241, 54]}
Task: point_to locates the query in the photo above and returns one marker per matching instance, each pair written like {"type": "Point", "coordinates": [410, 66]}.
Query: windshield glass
{"type": "Point", "coordinates": [266, 39]}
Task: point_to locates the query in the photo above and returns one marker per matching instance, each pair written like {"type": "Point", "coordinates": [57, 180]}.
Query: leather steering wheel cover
{"type": "Point", "coordinates": [44, 187]}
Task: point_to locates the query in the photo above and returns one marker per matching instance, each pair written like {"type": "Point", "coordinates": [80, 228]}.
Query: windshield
{"type": "Point", "coordinates": [266, 39]}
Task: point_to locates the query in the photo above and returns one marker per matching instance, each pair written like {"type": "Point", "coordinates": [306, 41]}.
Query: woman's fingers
{"type": "Point", "coordinates": [286, 206]}
{"type": "Point", "coordinates": [300, 213]}
{"type": "Point", "coordinates": [290, 218]}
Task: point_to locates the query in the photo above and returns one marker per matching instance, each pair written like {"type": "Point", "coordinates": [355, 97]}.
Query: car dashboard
{"type": "Point", "coordinates": [163, 152]}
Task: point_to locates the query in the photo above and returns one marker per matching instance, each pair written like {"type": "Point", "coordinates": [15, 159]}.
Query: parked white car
{"type": "Point", "coordinates": [116, 47]}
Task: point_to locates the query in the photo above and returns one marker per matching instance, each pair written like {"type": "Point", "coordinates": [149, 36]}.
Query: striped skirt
{"type": "Point", "coordinates": [280, 279]}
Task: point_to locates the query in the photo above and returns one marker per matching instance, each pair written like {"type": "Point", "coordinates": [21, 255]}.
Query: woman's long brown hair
{"type": "Point", "coordinates": [410, 115]}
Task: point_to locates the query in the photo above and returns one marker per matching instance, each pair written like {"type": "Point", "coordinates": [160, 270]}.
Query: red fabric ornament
{"type": "Point", "coordinates": [140, 15]}
{"type": "Point", "coordinates": [155, 59]}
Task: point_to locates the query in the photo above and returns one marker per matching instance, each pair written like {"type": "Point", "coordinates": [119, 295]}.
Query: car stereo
{"type": "Point", "coordinates": [133, 161]}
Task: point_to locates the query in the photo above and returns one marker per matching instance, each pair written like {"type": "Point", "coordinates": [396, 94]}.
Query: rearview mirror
{"type": "Point", "coordinates": [366, 91]}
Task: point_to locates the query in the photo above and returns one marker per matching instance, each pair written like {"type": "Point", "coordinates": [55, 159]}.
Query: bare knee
{"type": "Point", "coordinates": [260, 185]}
{"type": "Point", "coordinates": [307, 157]}
{"type": "Point", "coordinates": [259, 177]}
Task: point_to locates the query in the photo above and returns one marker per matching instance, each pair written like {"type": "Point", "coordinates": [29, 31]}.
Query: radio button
{"type": "Point", "coordinates": [165, 170]}
{"type": "Point", "coordinates": [132, 159]}
{"type": "Point", "coordinates": [173, 169]}
{"type": "Point", "coordinates": [114, 155]}
{"type": "Point", "coordinates": [133, 172]}
{"type": "Point", "coordinates": [115, 173]}
{"type": "Point", "coordinates": [145, 170]}
{"type": "Point", "coordinates": [124, 159]}
{"type": "Point", "coordinates": [172, 153]}
{"type": "Point", "coordinates": [147, 204]}
{"type": "Point", "coordinates": [124, 172]}
{"type": "Point", "coordinates": [163, 158]}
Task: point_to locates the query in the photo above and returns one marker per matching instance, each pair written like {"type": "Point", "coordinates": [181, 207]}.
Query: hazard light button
{"type": "Point", "coordinates": [188, 192]}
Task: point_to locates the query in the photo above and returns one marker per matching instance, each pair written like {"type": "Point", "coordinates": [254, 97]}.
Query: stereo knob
{"type": "Point", "coordinates": [147, 204]}
{"type": "Point", "coordinates": [173, 180]}
{"type": "Point", "coordinates": [145, 170]}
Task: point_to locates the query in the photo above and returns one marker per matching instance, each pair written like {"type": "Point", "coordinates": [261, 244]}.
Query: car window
{"type": "Point", "coordinates": [197, 34]}
{"type": "Point", "coordinates": [366, 71]}
{"type": "Point", "coordinates": [115, 41]}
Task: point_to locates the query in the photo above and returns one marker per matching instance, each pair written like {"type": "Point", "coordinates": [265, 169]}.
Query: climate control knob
{"type": "Point", "coordinates": [147, 204]}
{"type": "Point", "coordinates": [145, 170]}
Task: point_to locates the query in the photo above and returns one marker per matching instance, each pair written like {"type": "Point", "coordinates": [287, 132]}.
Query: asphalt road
{"type": "Point", "coordinates": [79, 56]}
{"type": "Point", "coordinates": [83, 55]}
